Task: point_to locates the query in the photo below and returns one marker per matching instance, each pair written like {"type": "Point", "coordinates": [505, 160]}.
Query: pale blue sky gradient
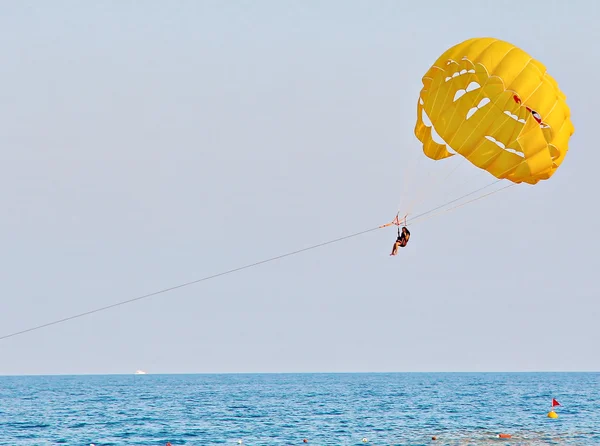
{"type": "Point", "coordinates": [146, 144]}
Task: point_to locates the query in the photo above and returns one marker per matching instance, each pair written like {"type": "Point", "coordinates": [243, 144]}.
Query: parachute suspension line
{"type": "Point", "coordinates": [424, 193]}
{"type": "Point", "coordinates": [470, 201]}
{"type": "Point", "coordinates": [460, 162]}
{"type": "Point", "coordinates": [467, 195]}
{"type": "Point", "coordinates": [419, 193]}
{"type": "Point", "coordinates": [462, 159]}
{"type": "Point", "coordinates": [407, 173]}
{"type": "Point", "coordinates": [408, 180]}
{"type": "Point", "coordinates": [417, 217]}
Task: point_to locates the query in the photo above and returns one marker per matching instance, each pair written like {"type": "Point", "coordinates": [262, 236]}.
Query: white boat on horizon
{"type": "Point", "coordinates": [140, 372]}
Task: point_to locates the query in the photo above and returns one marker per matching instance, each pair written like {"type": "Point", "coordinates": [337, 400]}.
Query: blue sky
{"type": "Point", "coordinates": [149, 144]}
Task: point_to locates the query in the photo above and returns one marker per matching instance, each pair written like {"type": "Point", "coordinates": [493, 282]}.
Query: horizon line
{"type": "Point", "coordinates": [302, 373]}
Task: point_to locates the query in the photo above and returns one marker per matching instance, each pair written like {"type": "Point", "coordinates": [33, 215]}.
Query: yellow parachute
{"type": "Point", "coordinates": [495, 105]}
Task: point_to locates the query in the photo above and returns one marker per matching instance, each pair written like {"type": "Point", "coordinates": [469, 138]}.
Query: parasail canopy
{"type": "Point", "coordinates": [495, 105]}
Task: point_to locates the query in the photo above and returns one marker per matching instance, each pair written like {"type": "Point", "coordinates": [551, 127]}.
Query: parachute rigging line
{"type": "Point", "coordinates": [455, 200]}
{"type": "Point", "coordinates": [248, 266]}
{"type": "Point", "coordinates": [466, 202]}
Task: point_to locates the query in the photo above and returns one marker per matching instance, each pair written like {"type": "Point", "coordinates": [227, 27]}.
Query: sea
{"type": "Point", "coordinates": [301, 409]}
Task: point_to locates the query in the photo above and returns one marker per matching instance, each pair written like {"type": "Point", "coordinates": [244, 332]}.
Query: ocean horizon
{"type": "Point", "coordinates": [286, 408]}
{"type": "Point", "coordinates": [540, 372]}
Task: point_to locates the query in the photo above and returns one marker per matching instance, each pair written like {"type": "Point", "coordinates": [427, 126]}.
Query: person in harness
{"type": "Point", "coordinates": [401, 241]}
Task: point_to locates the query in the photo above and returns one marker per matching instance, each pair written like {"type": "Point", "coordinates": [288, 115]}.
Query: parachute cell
{"type": "Point", "coordinates": [492, 103]}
